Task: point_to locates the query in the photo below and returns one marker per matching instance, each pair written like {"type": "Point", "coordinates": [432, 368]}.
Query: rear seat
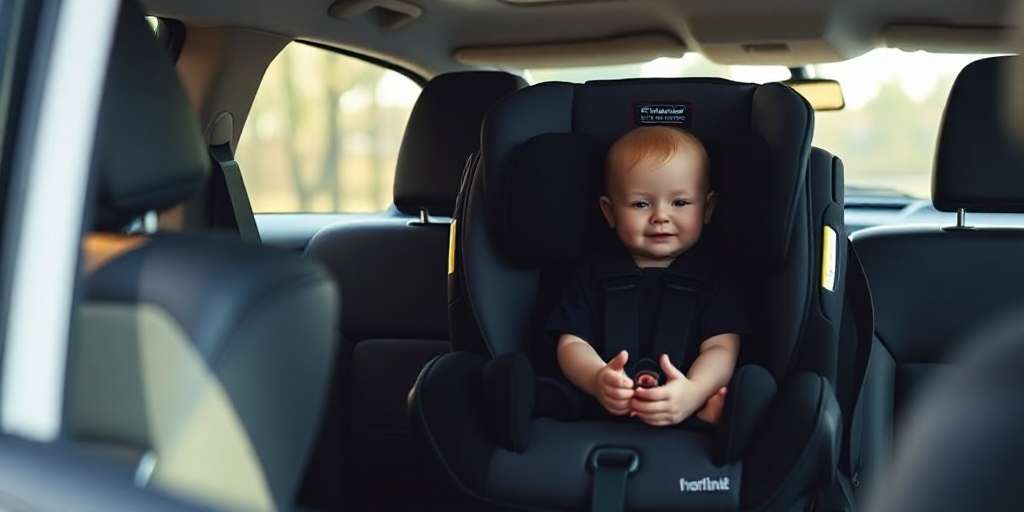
{"type": "Point", "coordinates": [933, 287]}
{"type": "Point", "coordinates": [394, 312]}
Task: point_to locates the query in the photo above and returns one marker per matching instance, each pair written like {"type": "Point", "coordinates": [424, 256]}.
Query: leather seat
{"type": "Point", "coordinates": [393, 270]}
{"type": "Point", "coordinates": [199, 363]}
{"type": "Point", "coordinates": [933, 287]}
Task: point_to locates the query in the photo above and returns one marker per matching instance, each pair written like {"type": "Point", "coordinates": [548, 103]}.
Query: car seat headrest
{"type": "Point", "coordinates": [149, 147]}
{"type": "Point", "coordinates": [978, 163]}
{"type": "Point", "coordinates": [543, 150]}
{"type": "Point", "coordinates": [550, 200]}
{"type": "Point", "coordinates": [443, 129]}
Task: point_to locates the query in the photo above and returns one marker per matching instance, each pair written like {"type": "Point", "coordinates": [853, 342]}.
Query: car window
{"type": "Point", "coordinates": [886, 135]}
{"type": "Point", "coordinates": [323, 133]}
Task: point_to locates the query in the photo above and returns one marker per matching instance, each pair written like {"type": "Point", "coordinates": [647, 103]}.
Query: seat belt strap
{"type": "Point", "coordinates": [622, 317]}
{"type": "Point", "coordinates": [858, 311]}
{"type": "Point", "coordinates": [611, 467]}
{"type": "Point", "coordinates": [675, 330]}
{"type": "Point", "coordinates": [243, 219]}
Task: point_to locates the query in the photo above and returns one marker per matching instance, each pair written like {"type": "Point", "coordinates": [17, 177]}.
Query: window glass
{"type": "Point", "coordinates": [886, 135]}
{"type": "Point", "coordinates": [323, 133]}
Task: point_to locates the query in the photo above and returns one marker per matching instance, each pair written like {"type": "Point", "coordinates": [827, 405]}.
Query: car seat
{"type": "Point", "coordinates": [528, 211]}
{"type": "Point", "coordinates": [393, 270]}
{"type": "Point", "coordinates": [199, 364]}
{"type": "Point", "coordinates": [934, 286]}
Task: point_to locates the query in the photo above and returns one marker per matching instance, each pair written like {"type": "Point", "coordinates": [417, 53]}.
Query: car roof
{"type": "Point", "coordinates": [446, 35]}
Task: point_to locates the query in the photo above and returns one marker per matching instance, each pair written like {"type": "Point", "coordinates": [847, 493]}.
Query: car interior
{"type": "Point", "coordinates": [317, 228]}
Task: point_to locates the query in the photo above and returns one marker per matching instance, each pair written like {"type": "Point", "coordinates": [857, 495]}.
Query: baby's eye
{"type": "Point", "coordinates": [680, 202]}
{"type": "Point", "coordinates": [639, 204]}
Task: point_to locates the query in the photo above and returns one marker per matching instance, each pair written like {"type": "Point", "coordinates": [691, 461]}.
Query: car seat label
{"type": "Point", "coordinates": [673, 114]}
{"type": "Point", "coordinates": [706, 484]}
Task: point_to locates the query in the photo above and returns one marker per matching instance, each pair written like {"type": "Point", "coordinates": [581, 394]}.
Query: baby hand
{"type": "Point", "coordinates": [612, 387]}
{"type": "Point", "coordinates": [668, 404]}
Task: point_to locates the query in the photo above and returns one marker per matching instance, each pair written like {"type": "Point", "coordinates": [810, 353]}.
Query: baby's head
{"type": "Point", "coordinates": [658, 193]}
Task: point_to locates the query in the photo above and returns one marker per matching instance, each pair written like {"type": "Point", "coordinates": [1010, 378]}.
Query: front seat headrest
{"type": "Point", "coordinates": [978, 164]}
{"type": "Point", "coordinates": [143, 101]}
{"type": "Point", "coordinates": [443, 129]}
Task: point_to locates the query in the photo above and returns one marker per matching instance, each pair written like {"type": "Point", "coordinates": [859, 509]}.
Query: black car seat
{"type": "Point", "coordinates": [393, 269]}
{"type": "Point", "coordinates": [199, 362]}
{"type": "Point", "coordinates": [933, 286]}
{"type": "Point", "coordinates": [522, 222]}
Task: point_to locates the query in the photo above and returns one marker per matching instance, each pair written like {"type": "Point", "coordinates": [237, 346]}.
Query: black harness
{"type": "Point", "coordinates": [676, 326]}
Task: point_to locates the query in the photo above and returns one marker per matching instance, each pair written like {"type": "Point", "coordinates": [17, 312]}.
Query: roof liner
{"type": "Point", "coordinates": [786, 32]}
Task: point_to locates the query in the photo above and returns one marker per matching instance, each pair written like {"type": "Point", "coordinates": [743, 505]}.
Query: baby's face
{"type": "Point", "coordinates": [659, 211]}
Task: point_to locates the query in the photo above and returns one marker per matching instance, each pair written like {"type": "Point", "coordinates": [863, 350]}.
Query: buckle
{"type": "Point", "coordinates": [647, 373]}
{"type": "Point", "coordinates": [611, 457]}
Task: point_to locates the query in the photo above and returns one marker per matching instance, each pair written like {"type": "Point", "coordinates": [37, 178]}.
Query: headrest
{"type": "Point", "coordinates": [979, 166]}
{"type": "Point", "coordinates": [443, 129]}
{"type": "Point", "coordinates": [149, 148]}
{"type": "Point", "coordinates": [543, 150]}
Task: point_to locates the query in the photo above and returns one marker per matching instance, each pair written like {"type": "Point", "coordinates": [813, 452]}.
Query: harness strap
{"type": "Point", "coordinates": [622, 318]}
{"type": "Point", "coordinates": [675, 329]}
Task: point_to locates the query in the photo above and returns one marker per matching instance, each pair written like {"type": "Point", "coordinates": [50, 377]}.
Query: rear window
{"type": "Point", "coordinates": [323, 133]}
{"type": "Point", "coordinates": [886, 135]}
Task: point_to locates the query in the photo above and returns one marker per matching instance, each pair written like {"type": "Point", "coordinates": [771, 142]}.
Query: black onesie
{"type": "Point", "coordinates": [720, 305]}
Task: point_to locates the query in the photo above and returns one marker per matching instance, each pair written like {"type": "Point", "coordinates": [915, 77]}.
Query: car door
{"type": "Point", "coordinates": [53, 57]}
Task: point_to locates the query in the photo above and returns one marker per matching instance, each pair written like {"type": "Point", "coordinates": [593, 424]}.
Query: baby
{"type": "Point", "coordinates": [657, 199]}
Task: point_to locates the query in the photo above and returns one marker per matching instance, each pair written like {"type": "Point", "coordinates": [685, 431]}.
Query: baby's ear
{"type": "Point", "coordinates": [709, 206]}
{"type": "Point", "coordinates": [606, 209]}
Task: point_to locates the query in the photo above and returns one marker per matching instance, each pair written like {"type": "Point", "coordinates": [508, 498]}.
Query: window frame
{"type": "Point", "coordinates": [408, 73]}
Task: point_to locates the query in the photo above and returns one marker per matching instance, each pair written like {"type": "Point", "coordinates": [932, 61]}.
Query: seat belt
{"type": "Point", "coordinates": [858, 325]}
{"type": "Point", "coordinates": [675, 329]}
{"type": "Point", "coordinates": [611, 467]}
{"type": "Point", "coordinates": [621, 313]}
{"type": "Point", "coordinates": [227, 187]}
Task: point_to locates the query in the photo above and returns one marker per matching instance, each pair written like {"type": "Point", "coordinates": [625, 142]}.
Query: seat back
{"type": "Point", "coordinates": [198, 361]}
{"type": "Point", "coordinates": [392, 268]}
{"type": "Point", "coordinates": [934, 286]}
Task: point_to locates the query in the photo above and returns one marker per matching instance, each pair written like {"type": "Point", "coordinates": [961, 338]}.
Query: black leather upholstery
{"type": "Point", "coordinates": [962, 444]}
{"type": "Point", "coordinates": [143, 102]}
{"type": "Point", "coordinates": [443, 129]}
{"type": "Point", "coordinates": [932, 288]}
{"type": "Point", "coordinates": [263, 320]}
{"type": "Point", "coordinates": [393, 274]}
{"type": "Point", "coordinates": [979, 164]}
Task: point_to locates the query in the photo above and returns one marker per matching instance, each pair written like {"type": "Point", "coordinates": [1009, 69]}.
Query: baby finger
{"type": "Point", "coordinates": [649, 407]}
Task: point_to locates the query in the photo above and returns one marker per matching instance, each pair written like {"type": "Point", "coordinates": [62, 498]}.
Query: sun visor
{"type": "Point", "coordinates": [624, 49]}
